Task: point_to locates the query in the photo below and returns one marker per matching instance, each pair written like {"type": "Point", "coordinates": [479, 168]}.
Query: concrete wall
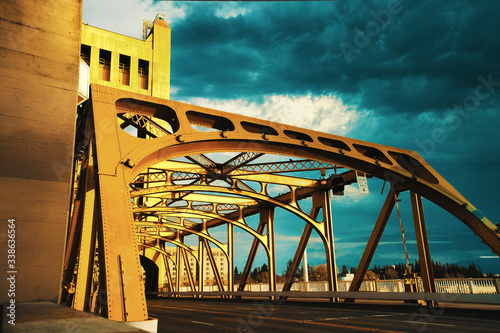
{"type": "Point", "coordinates": [39, 47]}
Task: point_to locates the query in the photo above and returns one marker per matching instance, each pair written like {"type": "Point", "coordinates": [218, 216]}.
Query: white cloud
{"type": "Point", "coordinates": [398, 242]}
{"type": "Point", "coordinates": [325, 113]}
{"type": "Point", "coordinates": [295, 239]}
{"type": "Point", "coordinates": [126, 16]}
{"type": "Point", "coordinates": [230, 9]}
{"type": "Point", "coordinates": [351, 195]}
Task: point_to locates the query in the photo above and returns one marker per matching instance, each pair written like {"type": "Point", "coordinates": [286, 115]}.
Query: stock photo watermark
{"type": "Point", "coordinates": [11, 271]}
{"type": "Point", "coordinates": [425, 316]}
{"type": "Point", "coordinates": [372, 30]}
{"type": "Point", "coordinates": [457, 115]}
{"type": "Point", "coordinates": [256, 318]}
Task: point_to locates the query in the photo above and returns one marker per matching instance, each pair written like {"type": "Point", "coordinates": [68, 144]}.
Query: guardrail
{"type": "Point", "coordinates": [369, 295]}
{"type": "Point", "coordinates": [485, 286]}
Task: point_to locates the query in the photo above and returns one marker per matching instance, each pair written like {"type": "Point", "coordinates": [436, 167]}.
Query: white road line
{"type": "Point", "coordinates": [200, 322]}
{"type": "Point", "coordinates": [357, 317]}
{"type": "Point", "coordinates": [427, 323]}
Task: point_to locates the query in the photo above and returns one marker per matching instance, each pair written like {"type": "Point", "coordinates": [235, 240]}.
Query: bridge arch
{"type": "Point", "coordinates": [403, 169]}
{"type": "Point", "coordinates": [433, 187]}
{"type": "Point", "coordinates": [119, 158]}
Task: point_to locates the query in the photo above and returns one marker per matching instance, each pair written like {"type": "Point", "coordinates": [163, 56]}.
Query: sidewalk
{"type": "Point", "coordinates": [51, 317]}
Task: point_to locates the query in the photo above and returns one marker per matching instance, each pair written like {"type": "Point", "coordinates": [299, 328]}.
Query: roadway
{"type": "Point", "coordinates": [261, 315]}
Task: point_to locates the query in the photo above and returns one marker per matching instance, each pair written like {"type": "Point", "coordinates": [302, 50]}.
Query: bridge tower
{"type": "Point", "coordinates": [38, 94]}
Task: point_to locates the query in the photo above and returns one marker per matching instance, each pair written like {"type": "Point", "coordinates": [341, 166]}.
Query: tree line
{"type": "Point", "coordinates": [387, 272]}
{"type": "Point", "coordinates": [441, 271]}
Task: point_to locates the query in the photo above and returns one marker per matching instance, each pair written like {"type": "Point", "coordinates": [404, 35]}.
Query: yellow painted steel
{"type": "Point", "coordinates": [373, 241]}
{"type": "Point", "coordinates": [252, 253]}
{"type": "Point", "coordinates": [87, 244]}
{"type": "Point", "coordinates": [267, 216]}
{"type": "Point", "coordinates": [148, 199]}
{"type": "Point", "coordinates": [424, 253]}
{"type": "Point", "coordinates": [201, 264]}
{"type": "Point", "coordinates": [331, 262]}
{"type": "Point", "coordinates": [155, 50]}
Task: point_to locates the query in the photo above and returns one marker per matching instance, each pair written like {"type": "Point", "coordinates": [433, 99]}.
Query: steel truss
{"type": "Point", "coordinates": [136, 194]}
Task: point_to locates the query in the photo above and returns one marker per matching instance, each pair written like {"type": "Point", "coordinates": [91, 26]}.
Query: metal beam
{"type": "Point", "coordinates": [167, 267]}
{"type": "Point", "coordinates": [286, 198]}
{"type": "Point", "coordinates": [201, 264]}
{"type": "Point", "coordinates": [178, 271]}
{"type": "Point", "coordinates": [331, 262]}
{"type": "Point", "coordinates": [74, 232]}
{"type": "Point", "coordinates": [299, 253]}
{"type": "Point", "coordinates": [271, 252]}
{"type": "Point", "coordinates": [280, 167]}
{"type": "Point", "coordinates": [372, 244]}
{"type": "Point", "coordinates": [184, 170]}
{"type": "Point", "coordinates": [424, 253]}
{"type": "Point", "coordinates": [239, 161]}
{"type": "Point", "coordinates": [86, 255]}
{"type": "Point", "coordinates": [230, 257]}
{"type": "Point", "coordinates": [188, 270]}
{"type": "Point", "coordinates": [203, 161]}
{"type": "Point", "coordinates": [211, 258]}
{"type": "Point", "coordinates": [251, 255]}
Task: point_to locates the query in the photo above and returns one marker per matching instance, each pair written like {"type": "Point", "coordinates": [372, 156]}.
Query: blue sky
{"type": "Point", "coordinates": [390, 72]}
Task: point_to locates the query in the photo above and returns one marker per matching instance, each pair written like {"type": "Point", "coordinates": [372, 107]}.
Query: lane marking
{"type": "Point", "coordinates": [200, 322]}
{"type": "Point", "coordinates": [360, 328]}
{"type": "Point", "coordinates": [427, 323]}
{"type": "Point", "coordinates": [358, 317]}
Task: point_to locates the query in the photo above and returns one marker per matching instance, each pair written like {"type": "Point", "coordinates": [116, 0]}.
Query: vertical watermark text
{"type": "Point", "coordinates": [11, 271]}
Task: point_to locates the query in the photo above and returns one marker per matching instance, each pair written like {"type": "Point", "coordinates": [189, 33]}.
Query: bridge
{"type": "Point", "coordinates": [137, 191]}
{"type": "Point", "coordinates": [151, 174]}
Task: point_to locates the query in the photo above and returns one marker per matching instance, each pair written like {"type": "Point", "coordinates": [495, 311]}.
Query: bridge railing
{"type": "Point", "coordinates": [469, 286]}
{"type": "Point", "coordinates": [455, 286]}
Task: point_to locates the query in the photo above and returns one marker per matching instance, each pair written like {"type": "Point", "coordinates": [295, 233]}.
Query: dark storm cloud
{"type": "Point", "coordinates": [426, 55]}
{"type": "Point", "coordinates": [256, 53]}
{"type": "Point", "coordinates": [425, 73]}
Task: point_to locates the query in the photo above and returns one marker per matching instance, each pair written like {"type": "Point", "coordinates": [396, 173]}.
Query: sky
{"type": "Point", "coordinates": [422, 75]}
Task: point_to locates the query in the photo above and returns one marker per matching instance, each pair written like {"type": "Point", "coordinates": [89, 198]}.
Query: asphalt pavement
{"type": "Point", "coordinates": [263, 315]}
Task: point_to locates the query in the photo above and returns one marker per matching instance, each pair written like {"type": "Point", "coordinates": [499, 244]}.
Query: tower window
{"type": "Point", "coordinates": [124, 68]}
{"type": "Point", "coordinates": [104, 65]}
{"type": "Point", "coordinates": [143, 73]}
{"type": "Point", "coordinates": [85, 53]}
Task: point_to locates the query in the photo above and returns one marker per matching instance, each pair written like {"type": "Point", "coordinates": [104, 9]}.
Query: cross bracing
{"type": "Point", "coordinates": [134, 195]}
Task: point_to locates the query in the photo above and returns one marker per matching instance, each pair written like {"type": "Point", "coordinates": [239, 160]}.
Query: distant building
{"type": "Point", "coordinates": [209, 276]}
{"type": "Point", "coordinates": [345, 276]}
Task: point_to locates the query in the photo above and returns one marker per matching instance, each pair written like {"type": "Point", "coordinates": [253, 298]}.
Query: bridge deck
{"type": "Point", "coordinates": [262, 315]}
